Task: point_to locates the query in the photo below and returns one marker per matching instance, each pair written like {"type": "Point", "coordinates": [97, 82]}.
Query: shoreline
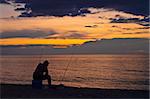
{"type": "Point", "coordinates": [59, 91]}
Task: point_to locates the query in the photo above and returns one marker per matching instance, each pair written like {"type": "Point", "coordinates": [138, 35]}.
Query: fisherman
{"type": "Point", "coordinates": [41, 72]}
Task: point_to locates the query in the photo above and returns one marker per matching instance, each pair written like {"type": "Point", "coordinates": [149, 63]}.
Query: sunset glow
{"type": "Point", "coordinates": [70, 30]}
{"type": "Point", "coordinates": [74, 48]}
{"type": "Point", "coordinates": [28, 41]}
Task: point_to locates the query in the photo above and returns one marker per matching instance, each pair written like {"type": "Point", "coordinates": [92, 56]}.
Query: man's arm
{"type": "Point", "coordinates": [46, 71]}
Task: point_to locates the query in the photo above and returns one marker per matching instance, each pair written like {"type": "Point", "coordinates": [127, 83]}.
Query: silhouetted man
{"type": "Point", "coordinates": [41, 72]}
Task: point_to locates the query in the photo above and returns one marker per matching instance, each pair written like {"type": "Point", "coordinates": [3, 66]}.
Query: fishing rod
{"type": "Point", "coordinates": [66, 69]}
{"type": "Point", "coordinates": [64, 74]}
{"type": "Point", "coordinates": [41, 55]}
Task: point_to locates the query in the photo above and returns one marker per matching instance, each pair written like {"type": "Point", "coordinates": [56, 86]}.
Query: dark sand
{"type": "Point", "coordinates": [26, 91]}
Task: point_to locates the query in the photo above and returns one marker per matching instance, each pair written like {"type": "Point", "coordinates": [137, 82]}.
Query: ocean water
{"type": "Point", "coordinates": [94, 71]}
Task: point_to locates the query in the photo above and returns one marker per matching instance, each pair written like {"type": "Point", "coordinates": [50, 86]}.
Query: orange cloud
{"type": "Point", "coordinates": [30, 41]}
{"type": "Point", "coordinates": [65, 27]}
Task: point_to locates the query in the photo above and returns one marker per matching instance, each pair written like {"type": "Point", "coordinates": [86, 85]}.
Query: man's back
{"type": "Point", "coordinates": [39, 69]}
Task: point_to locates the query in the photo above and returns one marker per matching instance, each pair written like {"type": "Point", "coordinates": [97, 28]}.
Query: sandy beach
{"type": "Point", "coordinates": [26, 91]}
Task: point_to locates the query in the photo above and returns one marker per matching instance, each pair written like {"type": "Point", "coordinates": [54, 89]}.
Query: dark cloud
{"type": "Point", "coordinates": [69, 35]}
{"type": "Point", "coordinates": [144, 28]}
{"type": "Point", "coordinates": [20, 9]}
{"type": "Point", "coordinates": [26, 34]}
{"type": "Point", "coordinates": [91, 26]}
{"type": "Point", "coordinates": [129, 28]}
{"type": "Point", "coordinates": [73, 7]}
{"type": "Point", "coordinates": [112, 46]}
{"type": "Point", "coordinates": [73, 31]}
{"type": "Point", "coordinates": [127, 33]}
{"type": "Point", "coordinates": [144, 21]}
{"type": "Point", "coordinates": [125, 20]}
{"type": "Point", "coordinates": [141, 28]}
{"type": "Point", "coordinates": [142, 32]}
{"type": "Point", "coordinates": [75, 35]}
{"type": "Point", "coordinates": [115, 26]}
{"type": "Point", "coordinates": [4, 2]}
{"type": "Point", "coordinates": [144, 24]}
{"type": "Point", "coordinates": [137, 32]}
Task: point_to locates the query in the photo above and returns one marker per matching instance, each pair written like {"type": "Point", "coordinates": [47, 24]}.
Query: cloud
{"type": "Point", "coordinates": [144, 28]}
{"type": "Point", "coordinates": [4, 2]}
{"type": "Point", "coordinates": [25, 34]}
{"type": "Point", "coordinates": [144, 21]}
{"type": "Point", "coordinates": [121, 19]}
{"type": "Point", "coordinates": [68, 35]}
{"type": "Point", "coordinates": [75, 7]}
{"type": "Point", "coordinates": [75, 35]}
{"type": "Point", "coordinates": [88, 27]}
{"type": "Point", "coordinates": [125, 20]}
{"type": "Point", "coordinates": [143, 32]}
{"type": "Point", "coordinates": [91, 26]}
{"type": "Point", "coordinates": [105, 46]}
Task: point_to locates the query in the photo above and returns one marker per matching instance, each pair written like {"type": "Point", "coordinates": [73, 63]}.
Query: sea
{"type": "Point", "coordinates": [109, 71]}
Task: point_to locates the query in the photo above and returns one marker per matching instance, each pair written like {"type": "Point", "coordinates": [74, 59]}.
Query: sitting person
{"type": "Point", "coordinates": [41, 72]}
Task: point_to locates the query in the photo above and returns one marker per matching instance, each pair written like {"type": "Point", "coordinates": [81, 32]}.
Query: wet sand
{"type": "Point", "coordinates": [26, 91]}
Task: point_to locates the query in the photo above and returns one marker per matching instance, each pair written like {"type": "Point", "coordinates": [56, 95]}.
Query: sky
{"type": "Point", "coordinates": [72, 23]}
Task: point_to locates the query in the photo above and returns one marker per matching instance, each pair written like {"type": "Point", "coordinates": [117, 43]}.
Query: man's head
{"type": "Point", "coordinates": [45, 63]}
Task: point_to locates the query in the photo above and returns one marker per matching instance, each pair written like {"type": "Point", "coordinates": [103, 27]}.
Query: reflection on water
{"type": "Point", "coordinates": [99, 71]}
